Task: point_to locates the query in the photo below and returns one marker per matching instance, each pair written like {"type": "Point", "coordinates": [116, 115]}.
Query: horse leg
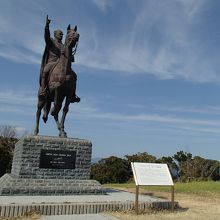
{"type": "Point", "coordinates": [46, 111]}
{"type": "Point", "coordinates": [40, 105]}
{"type": "Point", "coordinates": [56, 108]}
{"type": "Point", "coordinates": [65, 110]}
{"type": "Point", "coordinates": [56, 118]}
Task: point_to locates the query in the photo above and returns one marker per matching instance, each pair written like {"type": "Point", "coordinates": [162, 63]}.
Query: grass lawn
{"type": "Point", "coordinates": [199, 188]}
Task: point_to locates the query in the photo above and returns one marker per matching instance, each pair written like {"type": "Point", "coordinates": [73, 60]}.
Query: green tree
{"type": "Point", "coordinates": [183, 161]}
{"type": "Point", "coordinates": [7, 145]}
{"type": "Point", "coordinates": [111, 170]}
{"type": "Point", "coordinates": [141, 157]}
{"type": "Point", "coordinates": [205, 169]}
{"type": "Point", "coordinates": [196, 168]}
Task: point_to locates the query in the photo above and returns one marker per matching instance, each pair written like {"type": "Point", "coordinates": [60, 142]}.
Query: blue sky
{"type": "Point", "coordinates": [148, 72]}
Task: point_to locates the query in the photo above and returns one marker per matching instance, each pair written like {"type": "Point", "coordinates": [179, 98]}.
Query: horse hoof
{"type": "Point", "coordinates": [52, 112]}
{"type": "Point", "coordinates": [36, 131]}
{"type": "Point", "coordinates": [63, 134]}
{"type": "Point", "coordinates": [45, 119]}
{"type": "Point", "coordinates": [75, 99]}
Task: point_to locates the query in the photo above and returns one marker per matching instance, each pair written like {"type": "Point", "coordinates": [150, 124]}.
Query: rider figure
{"type": "Point", "coordinates": [54, 48]}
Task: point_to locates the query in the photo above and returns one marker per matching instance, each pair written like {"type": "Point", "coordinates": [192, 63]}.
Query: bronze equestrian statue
{"type": "Point", "coordinates": [57, 79]}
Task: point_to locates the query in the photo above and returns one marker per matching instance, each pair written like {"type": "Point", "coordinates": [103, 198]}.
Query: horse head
{"type": "Point", "coordinates": [72, 37]}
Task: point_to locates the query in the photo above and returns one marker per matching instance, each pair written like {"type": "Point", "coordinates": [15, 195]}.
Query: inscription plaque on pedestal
{"type": "Point", "coordinates": [57, 159]}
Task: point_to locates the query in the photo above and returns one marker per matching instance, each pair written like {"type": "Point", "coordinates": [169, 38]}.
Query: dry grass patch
{"type": "Point", "coordinates": [201, 207]}
{"type": "Point", "coordinates": [32, 215]}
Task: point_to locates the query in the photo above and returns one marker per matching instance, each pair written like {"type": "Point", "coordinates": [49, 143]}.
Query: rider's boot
{"type": "Point", "coordinates": [75, 98]}
{"type": "Point", "coordinates": [43, 88]}
{"type": "Point", "coordinates": [43, 93]}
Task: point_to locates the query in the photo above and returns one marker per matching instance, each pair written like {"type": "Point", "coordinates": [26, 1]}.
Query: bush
{"type": "Point", "coordinates": [7, 146]}
{"type": "Point", "coordinates": [111, 170]}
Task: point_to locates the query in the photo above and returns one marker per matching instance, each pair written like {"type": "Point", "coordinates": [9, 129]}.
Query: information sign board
{"type": "Point", "coordinates": [151, 174]}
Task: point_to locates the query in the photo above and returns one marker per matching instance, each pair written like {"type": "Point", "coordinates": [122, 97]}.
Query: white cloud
{"type": "Point", "coordinates": [197, 130]}
{"type": "Point", "coordinates": [19, 56]}
{"type": "Point", "coordinates": [18, 102]}
{"type": "Point", "coordinates": [192, 7]}
{"type": "Point", "coordinates": [88, 109]}
{"type": "Point", "coordinates": [102, 4]}
{"type": "Point", "coordinates": [160, 41]}
{"type": "Point", "coordinates": [17, 98]}
{"type": "Point", "coordinates": [156, 118]}
{"type": "Point", "coordinates": [21, 39]}
{"type": "Point", "coordinates": [208, 110]}
{"type": "Point", "coordinates": [152, 37]}
{"type": "Point", "coordinates": [85, 111]}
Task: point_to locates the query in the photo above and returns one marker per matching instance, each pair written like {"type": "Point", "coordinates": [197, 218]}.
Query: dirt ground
{"type": "Point", "coordinates": [192, 207]}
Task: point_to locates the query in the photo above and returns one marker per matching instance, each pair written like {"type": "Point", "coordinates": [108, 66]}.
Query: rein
{"type": "Point", "coordinates": [74, 51]}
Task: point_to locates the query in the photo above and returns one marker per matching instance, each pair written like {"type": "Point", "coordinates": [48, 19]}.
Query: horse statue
{"type": "Point", "coordinates": [61, 82]}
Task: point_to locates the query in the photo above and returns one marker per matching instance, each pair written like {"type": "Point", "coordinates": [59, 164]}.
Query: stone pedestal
{"type": "Point", "coordinates": [45, 165]}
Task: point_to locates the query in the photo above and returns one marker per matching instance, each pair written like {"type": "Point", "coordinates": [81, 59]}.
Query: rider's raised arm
{"type": "Point", "coordinates": [47, 32]}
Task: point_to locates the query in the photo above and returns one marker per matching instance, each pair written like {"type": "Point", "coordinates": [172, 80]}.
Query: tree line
{"type": "Point", "coordinates": [182, 165]}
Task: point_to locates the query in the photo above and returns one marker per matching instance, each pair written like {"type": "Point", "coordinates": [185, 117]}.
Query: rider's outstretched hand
{"type": "Point", "coordinates": [47, 21]}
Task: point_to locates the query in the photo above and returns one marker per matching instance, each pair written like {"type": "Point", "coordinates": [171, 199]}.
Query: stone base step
{"type": "Point", "coordinates": [14, 210]}
{"type": "Point", "coordinates": [10, 185]}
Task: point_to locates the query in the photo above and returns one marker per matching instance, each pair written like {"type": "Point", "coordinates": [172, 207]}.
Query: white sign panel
{"type": "Point", "coordinates": [152, 174]}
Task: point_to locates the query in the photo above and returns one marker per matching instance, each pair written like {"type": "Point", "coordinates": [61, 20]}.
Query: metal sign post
{"type": "Point", "coordinates": [172, 198]}
{"type": "Point", "coordinates": [136, 200]}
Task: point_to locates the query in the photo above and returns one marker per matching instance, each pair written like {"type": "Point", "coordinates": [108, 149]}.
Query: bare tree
{"type": "Point", "coordinates": [8, 131]}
